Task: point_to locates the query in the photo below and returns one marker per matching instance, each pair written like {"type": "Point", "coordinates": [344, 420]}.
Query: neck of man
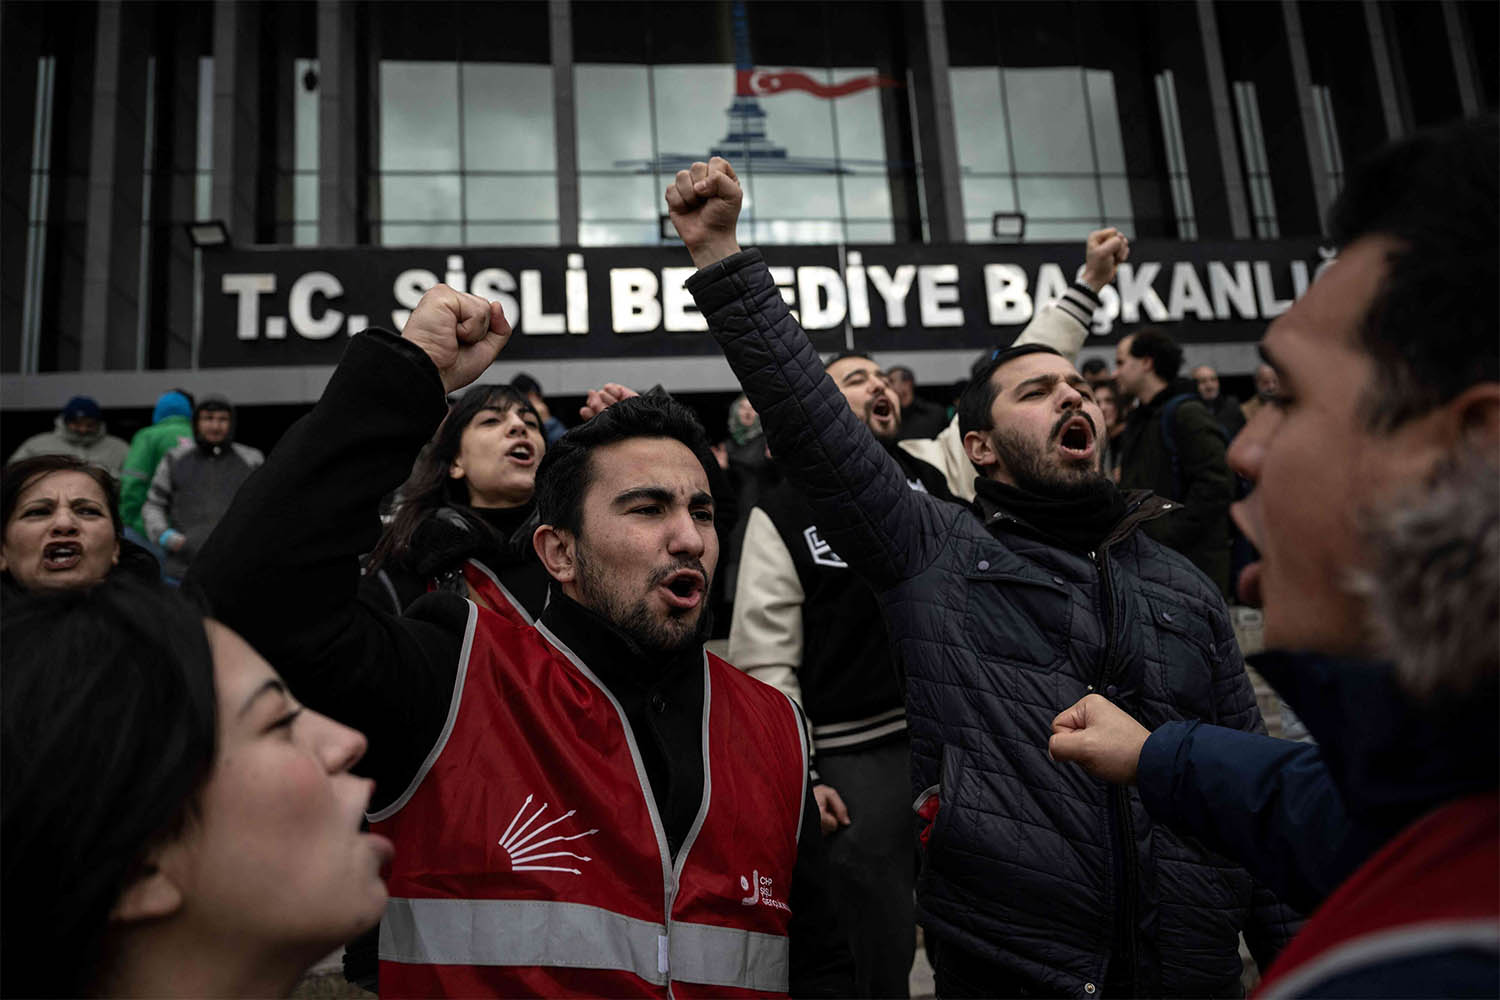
{"type": "Point", "coordinates": [172, 960]}
{"type": "Point", "coordinates": [1152, 385]}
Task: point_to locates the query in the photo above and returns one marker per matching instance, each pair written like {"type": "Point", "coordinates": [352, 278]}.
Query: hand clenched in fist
{"type": "Point", "coordinates": [704, 203]}
{"type": "Point", "coordinates": [1098, 734]}
{"type": "Point", "coordinates": [461, 333]}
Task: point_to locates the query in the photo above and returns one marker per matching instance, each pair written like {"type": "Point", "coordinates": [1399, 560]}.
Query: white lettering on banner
{"type": "Point", "coordinates": [633, 307]}
{"type": "Point", "coordinates": [456, 278]}
{"type": "Point", "coordinates": [496, 284]}
{"type": "Point", "coordinates": [275, 327]}
{"type": "Point", "coordinates": [937, 295]}
{"type": "Point", "coordinates": [577, 291]}
{"type": "Point", "coordinates": [1005, 292]}
{"type": "Point", "coordinates": [1136, 293]}
{"type": "Point", "coordinates": [248, 287]}
{"type": "Point", "coordinates": [680, 314]}
{"type": "Point", "coordinates": [784, 278]}
{"type": "Point", "coordinates": [409, 288]}
{"type": "Point", "coordinates": [1225, 289]}
{"type": "Point", "coordinates": [1299, 278]}
{"type": "Point", "coordinates": [299, 305]}
{"type": "Point", "coordinates": [893, 290]}
{"type": "Point", "coordinates": [1187, 294]}
{"type": "Point", "coordinates": [1050, 284]}
{"type": "Point", "coordinates": [534, 320]}
{"type": "Point", "coordinates": [1265, 292]}
{"type": "Point", "coordinates": [821, 292]}
{"type": "Point", "coordinates": [859, 292]}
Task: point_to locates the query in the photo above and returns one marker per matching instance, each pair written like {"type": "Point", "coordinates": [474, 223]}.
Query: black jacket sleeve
{"type": "Point", "coordinates": [885, 531]}
{"type": "Point", "coordinates": [282, 567]}
{"type": "Point", "coordinates": [820, 960]}
{"type": "Point", "coordinates": [1208, 486]}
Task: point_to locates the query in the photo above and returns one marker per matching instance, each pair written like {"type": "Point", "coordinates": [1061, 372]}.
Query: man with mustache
{"type": "Point", "coordinates": [590, 806]}
{"type": "Point", "coordinates": [1035, 879]}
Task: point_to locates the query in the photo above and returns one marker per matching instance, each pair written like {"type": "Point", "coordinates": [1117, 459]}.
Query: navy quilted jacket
{"type": "Point", "coordinates": [998, 631]}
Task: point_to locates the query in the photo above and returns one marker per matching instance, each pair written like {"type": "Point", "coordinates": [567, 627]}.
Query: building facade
{"type": "Point", "coordinates": [925, 172]}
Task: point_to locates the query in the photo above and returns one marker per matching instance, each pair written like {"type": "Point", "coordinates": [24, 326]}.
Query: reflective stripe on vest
{"type": "Point", "coordinates": [483, 932]}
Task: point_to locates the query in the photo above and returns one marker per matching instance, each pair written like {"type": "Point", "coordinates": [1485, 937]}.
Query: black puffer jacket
{"type": "Point", "coordinates": [999, 629]}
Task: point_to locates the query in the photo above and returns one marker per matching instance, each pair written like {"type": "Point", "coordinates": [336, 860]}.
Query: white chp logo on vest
{"type": "Point", "coordinates": [822, 552]}
{"type": "Point", "coordinates": [759, 888]}
{"type": "Point", "coordinates": [523, 847]}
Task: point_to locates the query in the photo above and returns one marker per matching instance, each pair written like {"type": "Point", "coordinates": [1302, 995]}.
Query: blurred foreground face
{"type": "Point", "coordinates": [275, 857]}
{"type": "Point", "coordinates": [83, 426]}
{"type": "Point", "coordinates": [497, 457]}
{"type": "Point", "coordinates": [60, 534]}
{"type": "Point", "coordinates": [1316, 464]}
{"type": "Point", "coordinates": [870, 396]}
{"type": "Point", "coordinates": [744, 412]}
{"type": "Point", "coordinates": [1266, 381]}
{"type": "Point", "coordinates": [647, 549]}
{"type": "Point", "coordinates": [1208, 382]}
{"type": "Point", "coordinates": [213, 425]}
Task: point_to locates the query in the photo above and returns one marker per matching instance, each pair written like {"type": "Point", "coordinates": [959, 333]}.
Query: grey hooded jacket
{"type": "Point", "coordinates": [1030, 863]}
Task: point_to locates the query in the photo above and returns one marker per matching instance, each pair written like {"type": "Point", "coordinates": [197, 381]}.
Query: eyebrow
{"type": "Point", "coordinates": [1051, 380]}
{"type": "Point", "coordinates": [273, 684]}
{"type": "Point", "coordinates": [661, 495]}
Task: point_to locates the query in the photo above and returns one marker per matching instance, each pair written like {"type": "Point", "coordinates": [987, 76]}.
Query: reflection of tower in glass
{"type": "Point", "coordinates": [746, 141]}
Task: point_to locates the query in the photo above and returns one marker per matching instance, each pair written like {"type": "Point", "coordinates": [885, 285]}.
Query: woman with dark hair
{"type": "Point", "coordinates": [464, 518]}
{"type": "Point", "coordinates": [62, 528]}
{"type": "Point", "coordinates": [174, 822]}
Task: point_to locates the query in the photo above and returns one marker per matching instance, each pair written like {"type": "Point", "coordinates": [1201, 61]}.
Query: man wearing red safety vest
{"type": "Point", "coordinates": [591, 805]}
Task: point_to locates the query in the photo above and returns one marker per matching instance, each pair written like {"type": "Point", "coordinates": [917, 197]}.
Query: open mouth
{"type": "Point", "coordinates": [684, 589]}
{"type": "Point", "coordinates": [882, 409]}
{"type": "Point", "coordinates": [1076, 437]}
{"type": "Point", "coordinates": [61, 555]}
{"type": "Point", "coordinates": [522, 453]}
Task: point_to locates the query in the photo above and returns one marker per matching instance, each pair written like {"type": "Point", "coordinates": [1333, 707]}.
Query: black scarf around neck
{"type": "Point", "coordinates": [1080, 522]}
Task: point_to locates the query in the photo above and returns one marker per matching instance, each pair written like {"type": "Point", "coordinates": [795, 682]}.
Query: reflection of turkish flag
{"type": "Point", "coordinates": [763, 83]}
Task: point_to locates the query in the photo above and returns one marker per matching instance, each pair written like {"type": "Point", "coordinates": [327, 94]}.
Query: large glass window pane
{"type": "Point", "coordinates": [871, 232]}
{"type": "Point", "coordinates": [861, 131]}
{"type": "Point", "coordinates": [420, 197]}
{"type": "Point", "coordinates": [984, 196]}
{"type": "Point", "coordinates": [867, 197]}
{"type": "Point", "coordinates": [690, 110]}
{"type": "Point", "coordinates": [514, 234]}
{"type": "Point", "coordinates": [619, 196]}
{"type": "Point", "coordinates": [1109, 147]}
{"type": "Point", "coordinates": [1116, 196]}
{"type": "Point", "coordinates": [604, 234]}
{"type": "Point", "coordinates": [1059, 198]}
{"type": "Point", "coordinates": [797, 231]}
{"type": "Point", "coordinates": [305, 197]}
{"type": "Point", "coordinates": [1049, 119]}
{"type": "Point", "coordinates": [501, 199]}
{"type": "Point", "coordinates": [415, 234]}
{"type": "Point", "coordinates": [1059, 232]}
{"type": "Point", "coordinates": [613, 105]}
{"type": "Point", "coordinates": [794, 197]}
{"type": "Point", "coordinates": [418, 116]}
{"type": "Point", "coordinates": [508, 117]}
{"type": "Point", "coordinates": [978, 119]}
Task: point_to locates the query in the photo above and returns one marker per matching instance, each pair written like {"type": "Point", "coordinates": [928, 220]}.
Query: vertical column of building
{"type": "Point", "coordinates": [1385, 73]}
{"type": "Point", "coordinates": [112, 257]}
{"type": "Point", "coordinates": [1223, 118]}
{"type": "Point", "coordinates": [22, 47]}
{"type": "Point", "coordinates": [338, 111]}
{"type": "Point", "coordinates": [1302, 81]}
{"type": "Point", "coordinates": [935, 132]}
{"type": "Point", "coordinates": [1463, 59]}
{"type": "Point", "coordinates": [236, 117]}
{"type": "Point", "coordinates": [565, 121]}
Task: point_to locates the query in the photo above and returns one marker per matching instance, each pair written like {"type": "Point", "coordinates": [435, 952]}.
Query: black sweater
{"type": "Point", "coordinates": [282, 569]}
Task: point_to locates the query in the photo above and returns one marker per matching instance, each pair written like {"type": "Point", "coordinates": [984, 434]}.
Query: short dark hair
{"type": "Point", "coordinates": [1092, 367]}
{"type": "Point", "coordinates": [19, 475]}
{"type": "Point", "coordinates": [1154, 343]}
{"type": "Point", "coordinates": [564, 477]}
{"type": "Point", "coordinates": [525, 384]}
{"type": "Point", "coordinates": [107, 734]}
{"type": "Point", "coordinates": [1432, 329]}
{"type": "Point", "coordinates": [841, 355]}
{"type": "Point", "coordinates": [978, 397]}
{"type": "Point", "coordinates": [903, 372]}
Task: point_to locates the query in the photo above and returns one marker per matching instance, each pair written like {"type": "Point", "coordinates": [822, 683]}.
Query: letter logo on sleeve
{"type": "Point", "coordinates": [525, 850]}
{"type": "Point", "coordinates": [822, 552]}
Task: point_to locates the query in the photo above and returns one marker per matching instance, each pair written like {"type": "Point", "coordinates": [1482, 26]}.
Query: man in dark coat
{"type": "Point", "coordinates": [1174, 447]}
{"type": "Point", "coordinates": [1035, 879]}
{"type": "Point", "coordinates": [1225, 408]}
{"type": "Point", "coordinates": [920, 418]}
{"type": "Point", "coordinates": [1377, 515]}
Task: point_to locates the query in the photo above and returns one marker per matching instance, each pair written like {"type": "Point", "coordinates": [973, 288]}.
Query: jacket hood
{"type": "Point", "coordinates": [215, 403]}
{"type": "Point", "coordinates": [171, 404]}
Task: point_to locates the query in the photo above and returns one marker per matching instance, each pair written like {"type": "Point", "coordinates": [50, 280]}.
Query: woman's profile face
{"type": "Point", "coordinates": [744, 412]}
{"type": "Point", "coordinates": [275, 856]}
{"type": "Point", "coordinates": [61, 534]}
{"type": "Point", "coordinates": [498, 454]}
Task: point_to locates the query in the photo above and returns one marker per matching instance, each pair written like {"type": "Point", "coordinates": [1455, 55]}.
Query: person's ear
{"type": "Point", "coordinates": [114, 557]}
{"type": "Point", "coordinates": [153, 893]}
{"type": "Point", "coordinates": [1477, 416]}
{"type": "Point", "coordinates": [980, 449]}
{"type": "Point", "coordinates": [456, 470]}
{"type": "Point", "coordinates": [557, 551]}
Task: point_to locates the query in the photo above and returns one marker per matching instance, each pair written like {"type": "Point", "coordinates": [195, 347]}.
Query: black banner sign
{"type": "Point", "coordinates": [276, 306]}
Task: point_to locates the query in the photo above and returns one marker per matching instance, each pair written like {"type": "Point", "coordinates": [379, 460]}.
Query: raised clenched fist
{"type": "Point", "coordinates": [704, 204]}
{"type": "Point", "coordinates": [1103, 252]}
{"type": "Point", "coordinates": [461, 333]}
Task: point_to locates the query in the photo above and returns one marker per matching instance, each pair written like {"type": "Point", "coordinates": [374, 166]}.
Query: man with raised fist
{"type": "Point", "coordinates": [1035, 880]}
{"type": "Point", "coordinates": [591, 806]}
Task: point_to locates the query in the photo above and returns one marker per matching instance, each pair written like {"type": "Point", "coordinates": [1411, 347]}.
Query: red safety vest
{"type": "Point", "coordinates": [1432, 889]}
{"type": "Point", "coordinates": [530, 859]}
{"type": "Point", "coordinates": [486, 590]}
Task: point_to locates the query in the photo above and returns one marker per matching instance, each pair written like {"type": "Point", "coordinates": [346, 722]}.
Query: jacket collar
{"type": "Point", "coordinates": [1387, 754]}
{"type": "Point", "coordinates": [1140, 506]}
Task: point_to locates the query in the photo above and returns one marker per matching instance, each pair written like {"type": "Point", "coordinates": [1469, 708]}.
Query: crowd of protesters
{"type": "Point", "coordinates": [433, 682]}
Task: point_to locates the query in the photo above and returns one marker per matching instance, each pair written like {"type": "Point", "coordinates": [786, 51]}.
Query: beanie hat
{"type": "Point", "coordinates": [80, 407]}
{"type": "Point", "coordinates": [171, 404]}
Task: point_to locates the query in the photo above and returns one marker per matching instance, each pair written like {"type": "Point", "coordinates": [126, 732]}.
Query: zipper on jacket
{"type": "Point", "coordinates": [1119, 797]}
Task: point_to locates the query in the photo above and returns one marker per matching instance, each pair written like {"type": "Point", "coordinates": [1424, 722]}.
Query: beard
{"type": "Point", "coordinates": [1039, 471]}
{"type": "Point", "coordinates": [867, 417]}
{"type": "Point", "coordinates": [650, 630]}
